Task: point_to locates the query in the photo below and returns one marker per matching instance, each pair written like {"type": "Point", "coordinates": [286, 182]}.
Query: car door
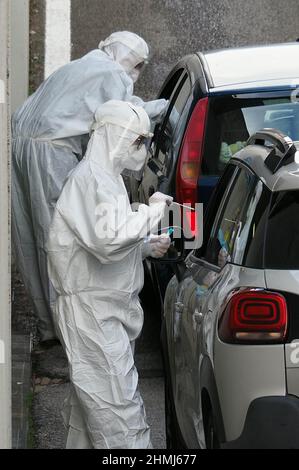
{"type": "Point", "coordinates": [155, 174]}
{"type": "Point", "coordinates": [214, 272]}
{"type": "Point", "coordinates": [187, 326]}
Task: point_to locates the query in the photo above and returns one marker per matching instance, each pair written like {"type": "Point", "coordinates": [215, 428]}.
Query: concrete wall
{"type": "Point", "coordinates": [5, 340]}
{"type": "Point", "coordinates": [19, 51]}
{"type": "Point", "coordinates": [178, 27]}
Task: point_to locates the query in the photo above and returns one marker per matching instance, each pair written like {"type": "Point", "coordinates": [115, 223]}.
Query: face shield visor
{"type": "Point", "coordinates": [129, 50]}
{"type": "Point", "coordinates": [137, 71]}
{"type": "Point", "coordinates": [126, 130]}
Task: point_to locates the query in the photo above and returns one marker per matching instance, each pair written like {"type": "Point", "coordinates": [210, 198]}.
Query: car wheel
{"type": "Point", "coordinates": [212, 440]}
{"type": "Point", "coordinates": [173, 434]}
{"type": "Point", "coordinates": [173, 440]}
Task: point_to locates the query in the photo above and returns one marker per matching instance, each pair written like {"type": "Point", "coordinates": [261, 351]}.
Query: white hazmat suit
{"type": "Point", "coordinates": [95, 252]}
{"type": "Point", "coordinates": [47, 136]}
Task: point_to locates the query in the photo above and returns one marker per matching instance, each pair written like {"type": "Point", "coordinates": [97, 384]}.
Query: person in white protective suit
{"type": "Point", "coordinates": [95, 251]}
{"type": "Point", "coordinates": [47, 135]}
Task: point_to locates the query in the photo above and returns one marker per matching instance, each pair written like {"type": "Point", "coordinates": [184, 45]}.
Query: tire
{"type": "Point", "coordinates": [173, 434]}
{"type": "Point", "coordinates": [172, 441]}
{"type": "Point", "coordinates": [212, 440]}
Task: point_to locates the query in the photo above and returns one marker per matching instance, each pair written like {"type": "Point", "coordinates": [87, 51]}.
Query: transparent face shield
{"type": "Point", "coordinates": [132, 60]}
{"type": "Point", "coordinates": [138, 153]}
{"type": "Point", "coordinates": [137, 71]}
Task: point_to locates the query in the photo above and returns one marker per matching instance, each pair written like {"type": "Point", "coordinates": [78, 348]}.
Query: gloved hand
{"type": "Point", "coordinates": [156, 110]}
{"type": "Point", "coordinates": [157, 198]}
{"type": "Point", "coordinates": [157, 246]}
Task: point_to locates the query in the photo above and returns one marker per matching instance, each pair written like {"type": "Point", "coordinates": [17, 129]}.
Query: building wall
{"type": "Point", "coordinates": [178, 27]}
{"type": "Point", "coordinates": [19, 51]}
{"type": "Point", "coordinates": [5, 341]}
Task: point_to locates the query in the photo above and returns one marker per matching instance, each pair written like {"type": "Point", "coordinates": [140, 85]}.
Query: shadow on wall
{"type": "Point", "coordinates": [174, 28]}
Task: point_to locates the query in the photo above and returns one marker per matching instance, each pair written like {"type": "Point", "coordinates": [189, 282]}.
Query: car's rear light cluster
{"type": "Point", "coordinates": [189, 163]}
{"type": "Point", "coordinates": [254, 316]}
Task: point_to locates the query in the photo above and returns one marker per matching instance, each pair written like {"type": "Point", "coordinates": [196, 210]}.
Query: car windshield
{"type": "Point", "coordinates": [282, 240]}
{"type": "Point", "coordinates": [233, 119]}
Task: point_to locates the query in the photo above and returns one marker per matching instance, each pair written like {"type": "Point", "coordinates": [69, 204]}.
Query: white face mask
{"type": "Point", "coordinates": [136, 158]}
{"type": "Point", "coordinates": [134, 74]}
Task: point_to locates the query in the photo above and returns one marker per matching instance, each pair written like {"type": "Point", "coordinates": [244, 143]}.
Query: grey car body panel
{"type": "Point", "coordinates": [243, 374]}
{"type": "Point", "coordinates": [237, 387]}
{"type": "Point", "coordinates": [293, 381]}
{"type": "Point", "coordinates": [189, 345]}
{"type": "Point", "coordinates": [288, 281]}
{"type": "Point", "coordinates": [287, 178]}
{"type": "Point", "coordinates": [292, 355]}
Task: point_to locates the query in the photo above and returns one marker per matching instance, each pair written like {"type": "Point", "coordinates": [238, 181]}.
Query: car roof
{"type": "Point", "coordinates": [285, 179]}
{"type": "Point", "coordinates": [252, 67]}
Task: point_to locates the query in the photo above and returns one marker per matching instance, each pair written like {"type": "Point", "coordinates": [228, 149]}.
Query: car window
{"type": "Point", "coordinates": [177, 104]}
{"type": "Point", "coordinates": [233, 119]}
{"type": "Point", "coordinates": [170, 86]}
{"type": "Point", "coordinates": [168, 92]}
{"type": "Point", "coordinates": [233, 223]}
{"type": "Point", "coordinates": [282, 241]}
{"type": "Point", "coordinates": [212, 209]}
{"type": "Point", "coordinates": [251, 252]}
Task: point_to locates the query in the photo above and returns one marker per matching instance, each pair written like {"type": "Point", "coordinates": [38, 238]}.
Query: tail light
{"type": "Point", "coordinates": [189, 164]}
{"type": "Point", "coordinates": [254, 316]}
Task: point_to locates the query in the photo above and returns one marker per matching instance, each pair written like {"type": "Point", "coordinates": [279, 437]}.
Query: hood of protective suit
{"type": "Point", "coordinates": [128, 49]}
{"type": "Point", "coordinates": [113, 144]}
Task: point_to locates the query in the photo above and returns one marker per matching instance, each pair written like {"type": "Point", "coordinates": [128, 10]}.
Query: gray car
{"type": "Point", "coordinates": [231, 314]}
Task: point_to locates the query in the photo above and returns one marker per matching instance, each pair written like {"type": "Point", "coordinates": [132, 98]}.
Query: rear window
{"type": "Point", "coordinates": [233, 119]}
{"type": "Point", "coordinates": [282, 240]}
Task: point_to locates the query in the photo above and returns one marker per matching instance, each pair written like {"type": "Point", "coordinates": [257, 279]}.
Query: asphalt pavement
{"type": "Point", "coordinates": [51, 384]}
{"type": "Point", "coordinates": [49, 431]}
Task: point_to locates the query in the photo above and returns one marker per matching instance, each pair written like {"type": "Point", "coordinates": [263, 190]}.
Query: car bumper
{"type": "Point", "coordinates": [271, 423]}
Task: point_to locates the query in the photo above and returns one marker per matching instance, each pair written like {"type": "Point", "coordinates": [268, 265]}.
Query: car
{"type": "Point", "coordinates": [217, 100]}
{"type": "Point", "coordinates": [231, 313]}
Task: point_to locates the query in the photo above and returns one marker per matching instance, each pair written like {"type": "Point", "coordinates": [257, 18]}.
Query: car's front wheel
{"type": "Point", "coordinates": [173, 435]}
{"type": "Point", "coordinates": [173, 440]}
{"type": "Point", "coordinates": [212, 440]}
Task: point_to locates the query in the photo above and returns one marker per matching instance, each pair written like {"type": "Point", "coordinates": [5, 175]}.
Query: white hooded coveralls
{"type": "Point", "coordinates": [95, 264]}
{"type": "Point", "coordinates": [47, 144]}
